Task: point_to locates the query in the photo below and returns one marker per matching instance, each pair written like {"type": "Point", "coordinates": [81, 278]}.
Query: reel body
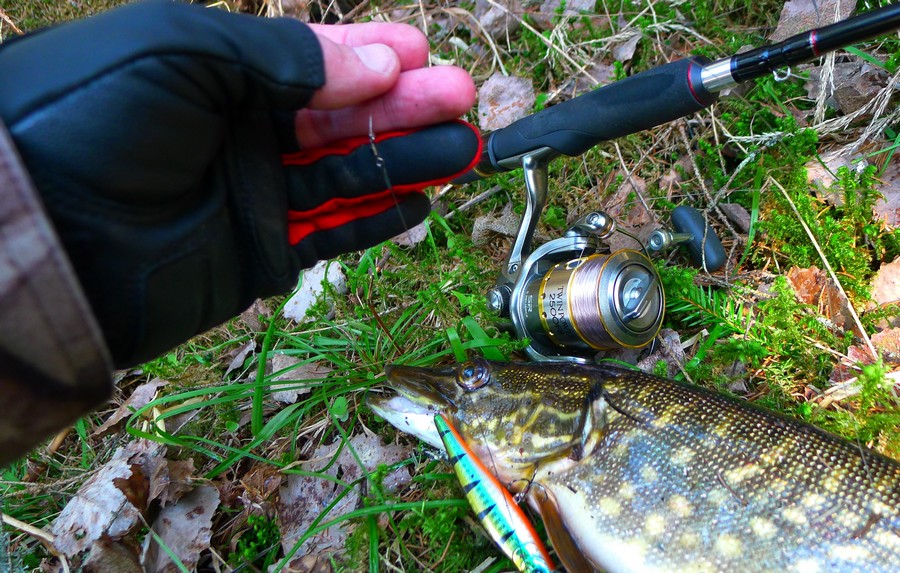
{"type": "Point", "coordinates": [571, 297]}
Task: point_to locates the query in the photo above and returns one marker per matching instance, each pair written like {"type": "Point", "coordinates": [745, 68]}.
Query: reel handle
{"type": "Point", "coordinates": [704, 245]}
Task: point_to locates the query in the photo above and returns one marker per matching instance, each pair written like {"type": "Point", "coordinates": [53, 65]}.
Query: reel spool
{"type": "Point", "coordinates": [599, 302]}
{"type": "Point", "coordinates": [570, 297]}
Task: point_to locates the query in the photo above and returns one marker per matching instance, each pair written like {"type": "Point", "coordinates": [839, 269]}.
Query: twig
{"type": "Point", "coordinates": [9, 21]}
{"type": "Point", "coordinates": [46, 538]}
{"type": "Point", "coordinates": [475, 200]}
{"type": "Point", "coordinates": [809, 233]}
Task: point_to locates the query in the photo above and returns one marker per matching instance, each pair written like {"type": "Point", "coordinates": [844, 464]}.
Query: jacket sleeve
{"type": "Point", "coordinates": [54, 366]}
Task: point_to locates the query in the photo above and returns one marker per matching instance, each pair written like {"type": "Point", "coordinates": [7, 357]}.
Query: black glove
{"type": "Point", "coordinates": [154, 134]}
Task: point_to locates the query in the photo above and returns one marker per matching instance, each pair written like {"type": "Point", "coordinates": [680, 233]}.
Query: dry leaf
{"type": "Point", "coordinates": [109, 556]}
{"type": "Point", "coordinates": [738, 215]}
{"type": "Point", "coordinates": [886, 284]}
{"type": "Point", "coordinates": [888, 344]}
{"type": "Point", "coordinates": [802, 15]}
{"type": "Point", "coordinates": [239, 356]}
{"type": "Point", "coordinates": [311, 289]}
{"type": "Point", "coordinates": [250, 317]}
{"type": "Point", "coordinates": [304, 497]}
{"type": "Point", "coordinates": [100, 508]}
{"type": "Point", "coordinates": [670, 352]}
{"type": "Point", "coordinates": [503, 100]}
{"type": "Point", "coordinates": [140, 397]}
{"type": "Point", "coordinates": [497, 16]}
{"type": "Point", "coordinates": [625, 51]}
{"type": "Point", "coordinates": [625, 205]}
{"type": "Point", "coordinates": [852, 85]}
{"type": "Point", "coordinates": [412, 236]}
{"type": "Point", "coordinates": [550, 10]}
{"type": "Point", "coordinates": [821, 173]}
{"type": "Point", "coordinates": [176, 482]}
{"type": "Point", "coordinates": [295, 377]}
{"type": "Point", "coordinates": [888, 207]}
{"type": "Point", "coordinates": [814, 286]}
{"type": "Point", "coordinates": [185, 528]}
{"type": "Point", "coordinates": [488, 226]}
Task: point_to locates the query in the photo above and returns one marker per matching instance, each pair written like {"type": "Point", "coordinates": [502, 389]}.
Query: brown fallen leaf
{"type": "Point", "coordinates": [497, 16]}
{"type": "Point", "coordinates": [888, 344]}
{"type": "Point", "coordinates": [412, 236]}
{"type": "Point", "coordinates": [239, 355]}
{"type": "Point", "coordinates": [176, 482]}
{"type": "Point", "coordinates": [886, 286]}
{"type": "Point", "coordinates": [503, 100]}
{"type": "Point", "coordinates": [888, 207]}
{"type": "Point", "coordinates": [625, 205]}
{"type": "Point", "coordinates": [140, 397]}
{"type": "Point", "coordinates": [291, 383]}
{"type": "Point", "coordinates": [185, 528]}
{"type": "Point", "coordinates": [110, 556]}
{"type": "Point", "coordinates": [303, 497]}
{"type": "Point", "coordinates": [489, 226]}
{"type": "Point", "coordinates": [99, 508]}
{"type": "Point", "coordinates": [814, 286]}
{"type": "Point", "coordinates": [625, 51]}
{"type": "Point", "coordinates": [802, 15]}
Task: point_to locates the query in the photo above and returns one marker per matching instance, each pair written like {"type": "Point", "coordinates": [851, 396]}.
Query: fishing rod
{"type": "Point", "coordinates": [571, 297]}
{"type": "Point", "coordinates": [663, 94]}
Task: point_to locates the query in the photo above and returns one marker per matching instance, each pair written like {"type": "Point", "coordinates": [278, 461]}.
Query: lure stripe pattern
{"type": "Point", "coordinates": [494, 506]}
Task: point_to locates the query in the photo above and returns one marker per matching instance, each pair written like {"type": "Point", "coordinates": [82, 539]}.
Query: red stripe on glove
{"type": "Point", "coordinates": [342, 210]}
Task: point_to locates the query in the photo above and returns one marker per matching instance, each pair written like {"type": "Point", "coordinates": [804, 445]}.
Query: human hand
{"type": "Point", "coordinates": [155, 135]}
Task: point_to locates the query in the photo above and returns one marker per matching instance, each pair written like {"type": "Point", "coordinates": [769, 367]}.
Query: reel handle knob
{"type": "Point", "coordinates": [705, 244]}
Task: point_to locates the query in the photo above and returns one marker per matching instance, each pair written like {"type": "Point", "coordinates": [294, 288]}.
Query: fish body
{"type": "Point", "coordinates": [498, 512]}
{"type": "Point", "coordinates": [632, 472]}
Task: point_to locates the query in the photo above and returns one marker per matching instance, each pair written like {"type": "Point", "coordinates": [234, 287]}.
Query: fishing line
{"type": "Point", "coordinates": [380, 164]}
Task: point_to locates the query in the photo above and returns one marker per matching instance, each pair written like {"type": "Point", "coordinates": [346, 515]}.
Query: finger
{"type": "Point", "coordinates": [347, 176]}
{"type": "Point", "coordinates": [420, 97]}
{"type": "Point", "coordinates": [355, 75]}
{"type": "Point", "coordinates": [408, 42]}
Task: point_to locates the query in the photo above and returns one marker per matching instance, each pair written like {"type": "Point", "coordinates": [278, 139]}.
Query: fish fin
{"type": "Point", "coordinates": [563, 543]}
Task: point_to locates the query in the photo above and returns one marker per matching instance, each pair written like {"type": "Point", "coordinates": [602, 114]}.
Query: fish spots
{"type": "Point", "coordinates": [654, 525]}
{"type": "Point", "coordinates": [849, 553]}
{"type": "Point", "coordinates": [794, 515]}
{"type": "Point", "coordinates": [649, 474]}
{"type": "Point", "coordinates": [728, 546]}
{"type": "Point", "coordinates": [683, 456]}
{"type": "Point", "coordinates": [741, 473]}
{"type": "Point", "coordinates": [763, 528]}
{"type": "Point", "coordinates": [718, 496]}
{"type": "Point", "coordinates": [680, 506]}
{"type": "Point", "coordinates": [626, 491]}
{"type": "Point", "coordinates": [610, 506]}
{"type": "Point", "coordinates": [807, 565]}
{"type": "Point", "coordinates": [814, 501]}
{"type": "Point", "coordinates": [689, 540]}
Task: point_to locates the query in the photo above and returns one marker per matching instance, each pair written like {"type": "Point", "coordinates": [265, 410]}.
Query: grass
{"type": "Point", "coordinates": [423, 305]}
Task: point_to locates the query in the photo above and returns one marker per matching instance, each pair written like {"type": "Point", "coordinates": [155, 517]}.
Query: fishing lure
{"type": "Point", "coordinates": [496, 510]}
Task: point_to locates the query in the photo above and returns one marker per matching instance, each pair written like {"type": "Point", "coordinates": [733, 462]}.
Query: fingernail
{"type": "Point", "coordinates": [377, 57]}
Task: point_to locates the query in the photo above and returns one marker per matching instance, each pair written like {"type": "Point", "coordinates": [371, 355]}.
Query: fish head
{"type": "Point", "coordinates": [514, 416]}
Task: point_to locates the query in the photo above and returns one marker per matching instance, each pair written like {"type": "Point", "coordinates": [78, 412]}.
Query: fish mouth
{"type": "Point", "coordinates": [432, 387]}
{"type": "Point", "coordinates": [419, 395]}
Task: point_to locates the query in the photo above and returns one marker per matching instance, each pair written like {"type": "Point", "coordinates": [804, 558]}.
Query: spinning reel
{"type": "Point", "coordinates": [571, 297]}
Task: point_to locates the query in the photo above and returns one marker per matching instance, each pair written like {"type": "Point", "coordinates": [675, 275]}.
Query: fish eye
{"type": "Point", "coordinates": [472, 375]}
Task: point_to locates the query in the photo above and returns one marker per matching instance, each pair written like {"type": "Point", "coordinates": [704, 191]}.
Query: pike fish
{"type": "Point", "coordinates": [635, 473]}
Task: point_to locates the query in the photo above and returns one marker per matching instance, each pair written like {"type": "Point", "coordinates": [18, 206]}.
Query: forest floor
{"type": "Point", "coordinates": [261, 426]}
